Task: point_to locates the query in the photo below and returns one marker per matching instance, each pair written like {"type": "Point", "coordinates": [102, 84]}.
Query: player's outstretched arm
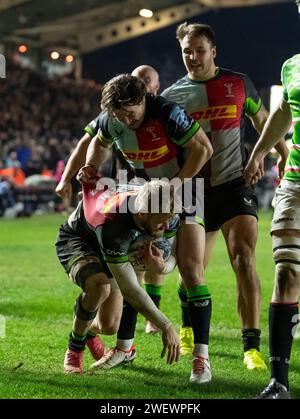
{"type": "Point", "coordinates": [96, 154]}
{"type": "Point", "coordinates": [75, 162]}
{"type": "Point", "coordinates": [139, 299]}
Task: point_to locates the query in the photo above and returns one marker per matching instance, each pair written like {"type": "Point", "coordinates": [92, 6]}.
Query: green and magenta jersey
{"type": "Point", "coordinates": [290, 77]}
{"type": "Point", "coordinates": [152, 149]}
{"type": "Point", "coordinates": [219, 105]}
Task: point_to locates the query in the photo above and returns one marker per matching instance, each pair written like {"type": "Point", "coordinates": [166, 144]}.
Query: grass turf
{"type": "Point", "coordinates": [36, 301]}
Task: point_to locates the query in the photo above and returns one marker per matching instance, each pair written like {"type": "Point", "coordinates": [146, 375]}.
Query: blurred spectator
{"type": "Point", "coordinates": [41, 120]}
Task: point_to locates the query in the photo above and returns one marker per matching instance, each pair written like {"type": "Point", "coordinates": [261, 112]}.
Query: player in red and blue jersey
{"type": "Point", "coordinates": [152, 134]}
{"type": "Point", "coordinates": [219, 100]}
{"type": "Point", "coordinates": [94, 246]}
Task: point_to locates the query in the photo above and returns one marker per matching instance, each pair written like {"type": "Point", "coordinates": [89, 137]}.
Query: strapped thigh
{"type": "Point", "coordinates": [286, 251]}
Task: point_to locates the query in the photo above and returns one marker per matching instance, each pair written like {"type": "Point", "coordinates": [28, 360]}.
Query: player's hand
{"type": "Point", "coordinates": [254, 171]}
{"type": "Point", "coordinates": [154, 261]}
{"type": "Point", "coordinates": [171, 344]}
{"type": "Point", "coordinates": [87, 174]}
{"type": "Point", "coordinates": [281, 165]}
{"type": "Point", "coordinates": [64, 189]}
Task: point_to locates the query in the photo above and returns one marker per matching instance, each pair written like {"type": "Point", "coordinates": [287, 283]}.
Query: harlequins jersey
{"type": "Point", "coordinates": [103, 215]}
{"type": "Point", "coordinates": [152, 149]}
{"type": "Point", "coordinates": [219, 105]}
{"type": "Point", "coordinates": [290, 77]}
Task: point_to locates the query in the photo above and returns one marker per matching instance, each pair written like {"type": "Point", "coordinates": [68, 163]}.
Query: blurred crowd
{"type": "Point", "coordinates": [41, 120]}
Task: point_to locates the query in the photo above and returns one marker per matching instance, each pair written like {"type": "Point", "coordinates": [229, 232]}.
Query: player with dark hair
{"type": "Point", "coordinates": [220, 99]}
{"type": "Point", "coordinates": [152, 133]}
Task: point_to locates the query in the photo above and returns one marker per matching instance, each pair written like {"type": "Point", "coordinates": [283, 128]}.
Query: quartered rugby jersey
{"type": "Point", "coordinates": [93, 127]}
{"type": "Point", "coordinates": [219, 105]}
{"type": "Point", "coordinates": [152, 149]}
{"type": "Point", "coordinates": [290, 77]}
{"type": "Point", "coordinates": [104, 214]}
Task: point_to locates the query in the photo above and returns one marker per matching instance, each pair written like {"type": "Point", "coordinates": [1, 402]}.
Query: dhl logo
{"type": "Point", "coordinates": [215, 112]}
{"type": "Point", "coordinates": [147, 155]}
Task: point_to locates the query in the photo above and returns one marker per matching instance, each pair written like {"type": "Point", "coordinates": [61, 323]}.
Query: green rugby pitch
{"type": "Point", "coordinates": [36, 302]}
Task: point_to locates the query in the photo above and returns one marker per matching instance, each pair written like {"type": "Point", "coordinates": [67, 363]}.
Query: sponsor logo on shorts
{"type": "Point", "coordinates": [248, 202]}
{"type": "Point", "coordinates": [215, 112]}
{"type": "Point", "coordinates": [283, 219]}
{"type": "Point", "coordinates": [201, 303]}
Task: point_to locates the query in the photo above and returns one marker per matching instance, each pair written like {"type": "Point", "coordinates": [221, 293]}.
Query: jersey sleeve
{"type": "Point", "coordinates": [283, 81]}
{"type": "Point", "coordinates": [180, 127]}
{"type": "Point", "coordinates": [253, 101]}
{"type": "Point", "coordinates": [165, 93]}
{"type": "Point", "coordinates": [104, 134]}
{"type": "Point", "coordinates": [93, 127]}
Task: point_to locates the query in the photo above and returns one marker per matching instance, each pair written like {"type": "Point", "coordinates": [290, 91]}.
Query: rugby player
{"type": "Point", "coordinates": [220, 99]}
{"type": "Point", "coordinates": [93, 246]}
{"type": "Point", "coordinates": [109, 169]}
{"type": "Point", "coordinates": [149, 76]}
{"type": "Point", "coordinates": [285, 229]}
{"type": "Point", "coordinates": [151, 133]}
{"type": "Point", "coordinates": [64, 188]}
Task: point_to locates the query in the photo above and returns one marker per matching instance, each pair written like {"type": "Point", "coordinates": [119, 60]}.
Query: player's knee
{"type": "Point", "coordinates": [109, 327]}
{"type": "Point", "coordinates": [84, 269]}
{"type": "Point", "coordinates": [242, 259]}
{"type": "Point", "coordinates": [82, 313]}
{"type": "Point", "coordinates": [191, 270]}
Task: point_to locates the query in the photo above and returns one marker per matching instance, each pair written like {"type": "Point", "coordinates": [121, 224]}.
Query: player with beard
{"type": "Point", "coordinates": [94, 245]}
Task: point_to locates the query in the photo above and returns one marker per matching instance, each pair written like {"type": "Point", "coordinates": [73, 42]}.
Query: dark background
{"type": "Point", "coordinates": [253, 40]}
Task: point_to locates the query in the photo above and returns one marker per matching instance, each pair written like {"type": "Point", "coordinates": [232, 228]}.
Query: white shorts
{"type": "Point", "coordinates": [287, 207]}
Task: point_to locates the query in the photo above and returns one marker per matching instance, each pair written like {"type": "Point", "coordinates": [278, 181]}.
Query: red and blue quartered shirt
{"type": "Point", "coordinates": [105, 217]}
{"type": "Point", "coordinates": [152, 150]}
{"type": "Point", "coordinates": [219, 105]}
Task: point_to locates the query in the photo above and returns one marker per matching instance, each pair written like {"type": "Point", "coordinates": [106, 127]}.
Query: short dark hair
{"type": "Point", "coordinates": [197, 30]}
{"type": "Point", "coordinates": [122, 90]}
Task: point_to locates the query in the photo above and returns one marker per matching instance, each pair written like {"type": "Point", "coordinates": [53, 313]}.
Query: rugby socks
{"type": "Point", "coordinates": [90, 335]}
{"type": "Point", "coordinates": [199, 302]}
{"type": "Point", "coordinates": [76, 342]}
{"type": "Point", "coordinates": [128, 322]}
{"type": "Point", "coordinates": [154, 292]}
{"type": "Point", "coordinates": [283, 320]}
{"type": "Point", "coordinates": [251, 339]}
{"type": "Point", "coordinates": [185, 312]}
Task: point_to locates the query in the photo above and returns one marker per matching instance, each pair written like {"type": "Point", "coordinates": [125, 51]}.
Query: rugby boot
{"type": "Point", "coordinates": [253, 360]}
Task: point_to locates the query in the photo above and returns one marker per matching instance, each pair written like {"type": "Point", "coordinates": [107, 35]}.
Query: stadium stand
{"type": "Point", "coordinates": [41, 120]}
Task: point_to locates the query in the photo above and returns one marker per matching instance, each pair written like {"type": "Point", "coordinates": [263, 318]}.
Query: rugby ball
{"type": "Point", "coordinates": [135, 253]}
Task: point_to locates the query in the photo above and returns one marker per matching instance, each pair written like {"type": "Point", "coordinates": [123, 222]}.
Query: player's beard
{"type": "Point", "coordinates": [155, 234]}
